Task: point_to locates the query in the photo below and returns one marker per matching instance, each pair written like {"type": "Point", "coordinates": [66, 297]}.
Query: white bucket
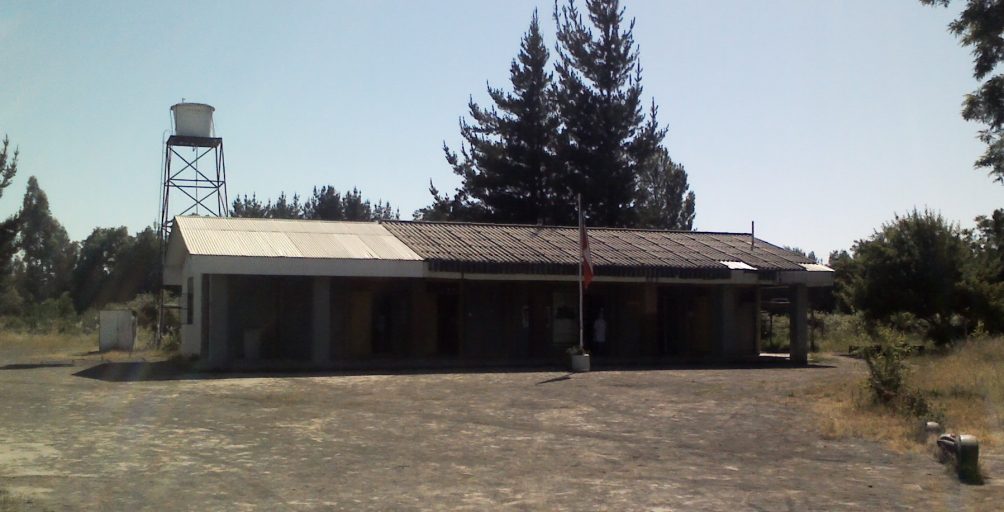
{"type": "Point", "coordinates": [193, 119]}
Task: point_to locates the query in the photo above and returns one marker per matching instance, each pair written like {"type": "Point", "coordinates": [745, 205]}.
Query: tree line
{"type": "Point", "coordinates": [324, 203]}
{"type": "Point", "coordinates": [41, 268]}
{"type": "Point", "coordinates": [579, 126]}
{"type": "Point", "coordinates": [922, 273]}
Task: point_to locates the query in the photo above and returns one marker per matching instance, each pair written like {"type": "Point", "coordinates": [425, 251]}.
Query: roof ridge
{"type": "Point", "coordinates": [248, 219]}
{"type": "Point", "coordinates": [553, 226]}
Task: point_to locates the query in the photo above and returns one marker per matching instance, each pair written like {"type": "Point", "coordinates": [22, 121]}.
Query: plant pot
{"type": "Point", "coordinates": [580, 362]}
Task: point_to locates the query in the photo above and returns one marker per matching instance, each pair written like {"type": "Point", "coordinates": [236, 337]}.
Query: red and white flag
{"type": "Point", "coordinates": [587, 259]}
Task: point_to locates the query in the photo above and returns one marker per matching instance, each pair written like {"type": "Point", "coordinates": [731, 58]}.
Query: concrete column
{"type": "Point", "coordinates": [649, 331]}
{"type": "Point", "coordinates": [320, 352]}
{"type": "Point", "coordinates": [757, 322]}
{"type": "Point", "coordinates": [219, 298]}
{"type": "Point", "coordinates": [339, 305]}
{"type": "Point", "coordinates": [799, 321]}
{"type": "Point", "coordinates": [724, 304]}
{"type": "Point", "coordinates": [191, 333]}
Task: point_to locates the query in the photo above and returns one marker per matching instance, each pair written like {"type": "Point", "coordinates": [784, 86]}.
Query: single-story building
{"type": "Point", "coordinates": [342, 294]}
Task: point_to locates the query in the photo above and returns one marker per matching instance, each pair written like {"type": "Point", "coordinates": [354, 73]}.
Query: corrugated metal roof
{"type": "Point", "coordinates": [276, 238]}
{"type": "Point", "coordinates": [490, 248]}
{"type": "Point", "coordinates": [472, 247]}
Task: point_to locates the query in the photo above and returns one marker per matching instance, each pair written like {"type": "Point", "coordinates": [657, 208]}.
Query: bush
{"type": "Point", "coordinates": [836, 332]}
{"type": "Point", "coordinates": [887, 369]}
{"type": "Point", "coordinates": [774, 333]}
{"type": "Point", "coordinates": [50, 315]}
{"type": "Point", "coordinates": [887, 377]}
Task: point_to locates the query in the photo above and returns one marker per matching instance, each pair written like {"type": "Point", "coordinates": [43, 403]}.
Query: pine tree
{"type": "Point", "coordinates": [325, 204]}
{"type": "Point", "coordinates": [284, 208]}
{"type": "Point", "coordinates": [606, 137]}
{"type": "Point", "coordinates": [244, 206]}
{"type": "Point", "coordinates": [10, 301]}
{"type": "Point", "coordinates": [448, 208]}
{"type": "Point", "coordinates": [8, 164]}
{"type": "Point", "coordinates": [508, 155]}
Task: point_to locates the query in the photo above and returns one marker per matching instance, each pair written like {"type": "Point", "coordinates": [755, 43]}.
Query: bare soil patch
{"type": "Point", "coordinates": [680, 439]}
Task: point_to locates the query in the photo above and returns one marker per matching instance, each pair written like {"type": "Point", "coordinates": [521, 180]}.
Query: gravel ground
{"type": "Point", "coordinates": [113, 436]}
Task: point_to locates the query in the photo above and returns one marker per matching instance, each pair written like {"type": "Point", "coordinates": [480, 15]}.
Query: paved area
{"type": "Point", "coordinates": [121, 437]}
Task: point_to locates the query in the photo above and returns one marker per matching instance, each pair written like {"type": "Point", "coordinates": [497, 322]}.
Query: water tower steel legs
{"type": "Point", "coordinates": [201, 193]}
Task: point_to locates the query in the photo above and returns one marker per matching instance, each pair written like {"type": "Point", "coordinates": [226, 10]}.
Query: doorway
{"type": "Point", "coordinates": [448, 324]}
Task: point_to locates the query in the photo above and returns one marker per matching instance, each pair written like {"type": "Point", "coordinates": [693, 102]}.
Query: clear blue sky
{"type": "Point", "coordinates": [818, 119]}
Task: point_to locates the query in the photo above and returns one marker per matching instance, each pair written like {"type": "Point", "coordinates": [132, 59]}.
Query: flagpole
{"type": "Point", "coordinates": [581, 346]}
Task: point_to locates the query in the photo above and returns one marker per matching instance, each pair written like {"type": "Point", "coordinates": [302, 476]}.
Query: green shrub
{"type": "Point", "coordinates": [774, 335]}
{"type": "Point", "coordinates": [887, 377]}
{"type": "Point", "coordinates": [836, 332]}
{"type": "Point", "coordinates": [886, 370]}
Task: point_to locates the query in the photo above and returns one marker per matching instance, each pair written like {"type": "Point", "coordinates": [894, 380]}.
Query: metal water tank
{"type": "Point", "coordinates": [193, 119]}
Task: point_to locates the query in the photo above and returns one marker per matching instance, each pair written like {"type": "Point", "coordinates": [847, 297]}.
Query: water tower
{"type": "Point", "coordinates": [193, 167]}
{"type": "Point", "coordinates": [194, 178]}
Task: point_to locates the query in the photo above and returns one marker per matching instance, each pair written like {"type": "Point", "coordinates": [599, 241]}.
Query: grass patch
{"type": "Point", "coordinates": [56, 345]}
{"type": "Point", "coordinates": [22, 345]}
{"type": "Point", "coordinates": [828, 332]}
{"type": "Point", "coordinates": [963, 387]}
{"type": "Point", "coordinates": [16, 503]}
{"type": "Point", "coordinates": [845, 411]}
{"type": "Point", "coordinates": [967, 383]}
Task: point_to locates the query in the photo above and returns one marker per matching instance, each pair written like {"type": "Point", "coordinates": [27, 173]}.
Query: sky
{"type": "Point", "coordinates": [819, 120]}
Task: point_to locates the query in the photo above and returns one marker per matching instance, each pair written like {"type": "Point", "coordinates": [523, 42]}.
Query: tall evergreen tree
{"type": "Point", "coordinates": [664, 200]}
{"type": "Point", "coordinates": [325, 204]}
{"type": "Point", "coordinates": [606, 137]}
{"type": "Point", "coordinates": [9, 299]}
{"type": "Point", "coordinates": [47, 254]}
{"type": "Point", "coordinates": [284, 208]}
{"type": "Point", "coordinates": [508, 157]}
{"type": "Point", "coordinates": [355, 207]}
{"type": "Point", "coordinates": [244, 206]}
{"type": "Point", "coordinates": [445, 207]}
{"type": "Point", "coordinates": [8, 164]}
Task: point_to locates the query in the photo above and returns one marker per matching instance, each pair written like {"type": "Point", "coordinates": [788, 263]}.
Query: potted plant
{"type": "Point", "coordinates": [579, 358]}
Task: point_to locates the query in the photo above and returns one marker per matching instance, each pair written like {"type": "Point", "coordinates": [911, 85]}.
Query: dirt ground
{"type": "Point", "coordinates": [86, 435]}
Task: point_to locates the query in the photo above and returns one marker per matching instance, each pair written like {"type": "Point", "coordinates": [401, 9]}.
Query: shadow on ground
{"type": "Point", "coordinates": [175, 370]}
{"type": "Point", "coordinates": [32, 366]}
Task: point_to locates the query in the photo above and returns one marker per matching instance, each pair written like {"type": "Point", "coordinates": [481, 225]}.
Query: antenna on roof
{"type": "Point", "coordinates": [752, 234]}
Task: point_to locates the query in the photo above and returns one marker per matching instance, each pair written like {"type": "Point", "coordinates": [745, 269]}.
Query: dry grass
{"type": "Point", "coordinates": [844, 410]}
{"type": "Point", "coordinates": [27, 346]}
{"type": "Point", "coordinates": [967, 384]}
{"type": "Point", "coordinates": [49, 344]}
{"type": "Point", "coordinates": [13, 503]}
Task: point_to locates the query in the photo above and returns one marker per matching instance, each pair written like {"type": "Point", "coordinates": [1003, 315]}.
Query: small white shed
{"type": "Point", "coordinates": [117, 330]}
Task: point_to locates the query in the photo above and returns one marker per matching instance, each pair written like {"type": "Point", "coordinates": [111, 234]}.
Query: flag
{"type": "Point", "coordinates": [587, 260]}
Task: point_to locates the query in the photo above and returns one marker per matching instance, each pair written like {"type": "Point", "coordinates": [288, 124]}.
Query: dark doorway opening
{"type": "Point", "coordinates": [448, 325]}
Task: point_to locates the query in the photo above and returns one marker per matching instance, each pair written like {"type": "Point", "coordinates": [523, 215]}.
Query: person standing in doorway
{"type": "Point", "coordinates": [599, 334]}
